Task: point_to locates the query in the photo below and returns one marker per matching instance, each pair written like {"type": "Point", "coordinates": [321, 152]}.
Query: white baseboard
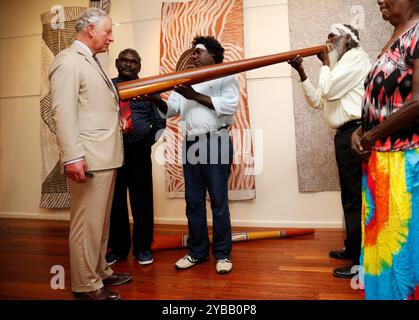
{"type": "Point", "coordinates": [182, 221]}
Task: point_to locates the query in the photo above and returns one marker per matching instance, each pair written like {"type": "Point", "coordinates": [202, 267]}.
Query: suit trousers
{"type": "Point", "coordinates": [135, 176]}
{"type": "Point", "coordinates": [90, 205]}
{"type": "Point", "coordinates": [350, 178]}
{"type": "Point", "coordinates": [206, 166]}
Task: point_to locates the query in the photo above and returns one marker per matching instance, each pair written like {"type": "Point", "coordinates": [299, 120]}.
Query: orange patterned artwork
{"type": "Point", "coordinates": [180, 23]}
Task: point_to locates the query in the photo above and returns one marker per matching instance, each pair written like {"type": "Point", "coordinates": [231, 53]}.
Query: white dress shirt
{"type": "Point", "coordinates": [341, 90]}
{"type": "Point", "coordinates": [199, 119]}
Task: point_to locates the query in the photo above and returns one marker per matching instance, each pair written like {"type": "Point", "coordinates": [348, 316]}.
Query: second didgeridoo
{"type": "Point", "coordinates": [157, 84]}
{"type": "Point", "coordinates": [164, 242]}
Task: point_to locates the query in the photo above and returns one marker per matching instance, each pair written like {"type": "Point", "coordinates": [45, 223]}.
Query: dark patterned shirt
{"type": "Point", "coordinates": [146, 120]}
{"type": "Point", "coordinates": [388, 87]}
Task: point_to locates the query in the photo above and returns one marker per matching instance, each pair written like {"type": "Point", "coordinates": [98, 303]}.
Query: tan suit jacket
{"type": "Point", "coordinates": [86, 110]}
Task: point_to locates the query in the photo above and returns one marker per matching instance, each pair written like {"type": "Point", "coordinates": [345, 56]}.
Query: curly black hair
{"type": "Point", "coordinates": [212, 45]}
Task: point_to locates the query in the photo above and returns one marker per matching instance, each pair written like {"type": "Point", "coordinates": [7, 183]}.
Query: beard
{"type": "Point", "coordinates": [334, 57]}
{"type": "Point", "coordinates": [338, 51]}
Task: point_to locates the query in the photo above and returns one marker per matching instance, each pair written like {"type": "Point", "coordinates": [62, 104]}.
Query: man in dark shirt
{"type": "Point", "coordinates": [144, 124]}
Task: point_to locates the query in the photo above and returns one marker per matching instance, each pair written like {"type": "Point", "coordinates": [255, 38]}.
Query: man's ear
{"type": "Point", "coordinates": [91, 29]}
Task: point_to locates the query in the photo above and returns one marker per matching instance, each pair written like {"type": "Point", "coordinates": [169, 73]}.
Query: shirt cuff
{"type": "Point", "coordinates": [324, 69]}
{"type": "Point", "coordinates": [73, 161]}
{"type": "Point", "coordinates": [306, 84]}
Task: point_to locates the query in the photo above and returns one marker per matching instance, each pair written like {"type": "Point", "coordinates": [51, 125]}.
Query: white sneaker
{"type": "Point", "coordinates": [224, 266]}
{"type": "Point", "coordinates": [186, 262]}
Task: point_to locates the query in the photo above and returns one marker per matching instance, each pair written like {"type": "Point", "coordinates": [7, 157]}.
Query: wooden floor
{"type": "Point", "coordinates": [277, 269]}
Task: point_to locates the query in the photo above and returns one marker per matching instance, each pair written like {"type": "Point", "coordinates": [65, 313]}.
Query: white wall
{"type": "Point", "coordinates": [278, 202]}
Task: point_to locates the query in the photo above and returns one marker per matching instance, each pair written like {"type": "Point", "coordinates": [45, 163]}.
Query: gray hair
{"type": "Point", "coordinates": [89, 16]}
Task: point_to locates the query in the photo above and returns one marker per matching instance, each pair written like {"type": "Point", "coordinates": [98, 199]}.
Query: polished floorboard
{"type": "Point", "coordinates": [295, 268]}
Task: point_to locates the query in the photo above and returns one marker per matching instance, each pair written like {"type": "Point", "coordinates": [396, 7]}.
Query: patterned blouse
{"type": "Point", "coordinates": [388, 87]}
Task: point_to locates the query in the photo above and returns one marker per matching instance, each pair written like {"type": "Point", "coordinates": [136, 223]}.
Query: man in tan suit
{"type": "Point", "coordinates": [86, 112]}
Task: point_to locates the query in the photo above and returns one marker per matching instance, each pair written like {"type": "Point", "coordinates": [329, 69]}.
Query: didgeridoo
{"type": "Point", "coordinates": [161, 83]}
{"type": "Point", "coordinates": [162, 242]}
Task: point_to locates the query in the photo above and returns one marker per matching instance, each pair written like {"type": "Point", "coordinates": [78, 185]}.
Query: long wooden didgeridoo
{"type": "Point", "coordinates": [164, 242]}
{"type": "Point", "coordinates": [157, 84]}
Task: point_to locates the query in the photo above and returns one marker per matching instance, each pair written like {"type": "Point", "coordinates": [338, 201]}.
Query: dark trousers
{"type": "Point", "coordinates": [136, 176]}
{"type": "Point", "coordinates": [350, 178]}
{"type": "Point", "coordinates": [206, 166]}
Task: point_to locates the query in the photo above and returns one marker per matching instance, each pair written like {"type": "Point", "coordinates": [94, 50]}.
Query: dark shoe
{"type": "Point", "coordinates": [339, 254]}
{"type": "Point", "coordinates": [101, 294]}
{"type": "Point", "coordinates": [117, 278]}
{"type": "Point", "coordinates": [145, 257]}
{"type": "Point", "coordinates": [111, 258]}
{"type": "Point", "coordinates": [347, 272]}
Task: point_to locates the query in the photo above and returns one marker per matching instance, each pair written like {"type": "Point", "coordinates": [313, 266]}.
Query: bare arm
{"type": "Point", "coordinates": [297, 64]}
{"type": "Point", "coordinates": [312, 94]}
{"type": "Point", "coordinates": [189, 93]}
{"type": "Point", "coordinates": [405, 116]}
{"type": "Point", "coordinates": [158, 102]}
{"type": "Point", "coordinates": [357, 148]}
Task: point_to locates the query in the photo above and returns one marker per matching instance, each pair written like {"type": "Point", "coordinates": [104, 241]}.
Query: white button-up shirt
{"type": "Point", "coordinates": [199, 119]}
{"type": "Point", "coordinates": [340, 90]}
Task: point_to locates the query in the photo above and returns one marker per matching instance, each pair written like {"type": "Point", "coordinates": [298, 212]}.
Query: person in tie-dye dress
{"type": "Point", "coordinates": [388, 141]}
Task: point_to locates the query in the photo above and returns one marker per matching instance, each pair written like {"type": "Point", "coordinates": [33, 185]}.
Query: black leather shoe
{"type": "Point", "coordinates": [347, 272]}
{"type": "Point", "coordinates": [117, 278]}
{"type": "Point", "coordinates": [103, 293]}
{"type": "Point", "coordinates": [339, 254]}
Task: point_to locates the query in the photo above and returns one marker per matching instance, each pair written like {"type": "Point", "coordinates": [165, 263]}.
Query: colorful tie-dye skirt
{"type": "Point", "coordinates": [390, 226]}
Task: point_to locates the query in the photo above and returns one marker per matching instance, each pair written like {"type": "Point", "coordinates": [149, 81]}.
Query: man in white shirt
{"type": "Point", "coordinates": [340, 94]}
{"type": "Point", "coordinates": [206, 110]}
